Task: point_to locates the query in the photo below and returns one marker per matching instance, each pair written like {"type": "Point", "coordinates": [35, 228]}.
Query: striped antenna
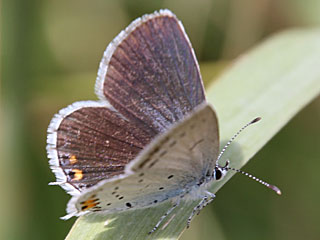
{"type": "Point", "coordinates": [236, 135]}
{"type": "Point", "coordinates": [273, 187]}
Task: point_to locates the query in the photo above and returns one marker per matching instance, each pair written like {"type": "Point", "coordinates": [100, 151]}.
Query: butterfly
{"type": "Point", "coordinates": [150, 138]}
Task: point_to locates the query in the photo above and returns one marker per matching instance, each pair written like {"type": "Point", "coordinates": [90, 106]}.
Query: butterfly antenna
{"type": "Point", "coordinates": [273, 187]}
{"type": "Point", "coordinates": [236, 135]}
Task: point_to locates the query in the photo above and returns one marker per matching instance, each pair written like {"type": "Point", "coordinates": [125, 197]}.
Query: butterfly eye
{"type": "Point", "coordinates": [218, 174]}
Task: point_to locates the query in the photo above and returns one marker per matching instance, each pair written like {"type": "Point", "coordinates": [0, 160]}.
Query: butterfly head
{"type": "Point", "coordinates": [219, 172]}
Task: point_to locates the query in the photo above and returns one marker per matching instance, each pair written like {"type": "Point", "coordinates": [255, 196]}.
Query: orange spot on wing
{"type": "Point", "coordinates": [78, 175]}
{"type": "Point", "coordinates": [89, 204]}
{"type": "Point", "coordinates": [73, 159]}
{"type": "Point", "coordinates": [90, 201]}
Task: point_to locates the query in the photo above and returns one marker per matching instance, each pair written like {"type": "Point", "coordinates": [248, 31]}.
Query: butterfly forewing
{"type": "Point", "coordinates": [169, 167]}
{"type": "Point", "coordinates": [196, 139]}
{"type": "Point", "coordinates": [150, 74]}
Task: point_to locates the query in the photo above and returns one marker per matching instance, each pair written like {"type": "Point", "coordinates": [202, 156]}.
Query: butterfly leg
{"type": "Point", "coordinates": [164, 216]}
{"type": "Point", "coordinates": [204, 202]}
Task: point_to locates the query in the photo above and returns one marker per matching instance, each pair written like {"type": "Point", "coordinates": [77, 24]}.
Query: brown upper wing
{"type": "Point", "coordinates": [149, 73]}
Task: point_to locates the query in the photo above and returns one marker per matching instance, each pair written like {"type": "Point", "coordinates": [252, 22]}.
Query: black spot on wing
{"type": "Point", "coordinates": [129, 205]}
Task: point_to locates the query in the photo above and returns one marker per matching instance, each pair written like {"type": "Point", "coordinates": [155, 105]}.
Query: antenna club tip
{"type": "Point", "coordinates": [276, 189]}
{"type": "Point", "coordinates": [257, 119]}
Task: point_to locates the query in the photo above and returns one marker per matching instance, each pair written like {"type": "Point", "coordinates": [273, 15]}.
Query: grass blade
{"type": "Point", "coordinates": [274, 81]}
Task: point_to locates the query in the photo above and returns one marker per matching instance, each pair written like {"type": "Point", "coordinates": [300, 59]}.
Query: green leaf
{"type": "Point", "coordinates": [274, 81]}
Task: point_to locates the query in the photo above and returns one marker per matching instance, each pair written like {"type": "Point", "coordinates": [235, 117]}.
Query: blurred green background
{"type": "Point", "coordinates": [50, 51]}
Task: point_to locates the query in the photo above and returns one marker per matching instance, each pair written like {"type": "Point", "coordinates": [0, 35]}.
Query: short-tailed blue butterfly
{"type": "Point", "coordinates": [150, 138]}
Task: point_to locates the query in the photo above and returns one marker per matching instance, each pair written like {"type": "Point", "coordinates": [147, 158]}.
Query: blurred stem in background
{"type": "Point", "coordinates": [24, 58]}
{"type": "Point", "coordinates": [15, 85]}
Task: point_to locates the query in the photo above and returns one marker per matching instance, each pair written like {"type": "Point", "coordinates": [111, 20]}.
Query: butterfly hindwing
{"type": "Point", "coordinates": [169, 167]}
{"type": "Point", "coordinates": [134, 191]}
{"type": "Point", "coordinates": [89, 142]}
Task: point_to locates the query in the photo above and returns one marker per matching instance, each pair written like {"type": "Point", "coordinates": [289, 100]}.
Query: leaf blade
{"type": "Point", "coordinates": [272, 89]}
